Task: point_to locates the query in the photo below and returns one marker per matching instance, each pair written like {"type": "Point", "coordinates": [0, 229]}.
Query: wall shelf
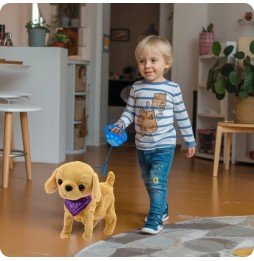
{"type": "Point", "coordinates": [77, 106]}
{"type": "Point", "coordinates": [209, 111]}
{"type": "Point", "coordinates": [245, 22]}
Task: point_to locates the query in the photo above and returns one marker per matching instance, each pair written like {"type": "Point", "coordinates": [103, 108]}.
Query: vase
{"type": "Point", "coordinates": [37, 37]}
{"type": "Point", "coordinates": [65, 21]}
{"type": "Point", "coordinates": [244, 110]}
{"type": "Point", "coordinates": [206, 40]}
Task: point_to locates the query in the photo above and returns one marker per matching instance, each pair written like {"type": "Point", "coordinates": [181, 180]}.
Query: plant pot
{"type": "Point", "coordinates": [36, 37]}
{"type": "Point", "coordinates": [244, 110]}
{"type": "Point", "coordinates": [58, 44]}
{"type": "Point", "coordinates": [205, 42]}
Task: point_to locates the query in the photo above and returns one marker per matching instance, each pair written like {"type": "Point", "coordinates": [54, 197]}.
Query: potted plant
{"type": "Point", "coordinates": [206, 38]}
{"type": "Point", "coordinates": [234, 74]}
{"type": "Point", "coordinates": [37, 31]}
{"type": "Point", "coordinates": [60, 40]}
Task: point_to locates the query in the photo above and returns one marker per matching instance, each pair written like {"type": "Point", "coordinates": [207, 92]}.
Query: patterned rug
{"type": "Point", "coordinates": [214, 237]}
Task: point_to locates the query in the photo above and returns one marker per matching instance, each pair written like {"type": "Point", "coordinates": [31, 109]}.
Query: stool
{"type": "Point", "coordinates": [13, 97]}
{"type": "Point", "coordinates": [229, 128]}
{"type": "Point", "coordinates": [9, 109]}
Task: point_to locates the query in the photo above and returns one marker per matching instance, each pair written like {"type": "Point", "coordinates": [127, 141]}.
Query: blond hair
{"type": "Point", "coordinates": [162, 44]}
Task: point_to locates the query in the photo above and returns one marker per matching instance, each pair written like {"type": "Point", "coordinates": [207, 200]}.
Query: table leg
{"type": "Point", "coordinates": [217, 150]}
{"type": "Point", "coordinates": [228, 149]}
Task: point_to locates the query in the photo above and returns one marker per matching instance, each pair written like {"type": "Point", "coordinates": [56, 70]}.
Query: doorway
{"type": "Point", "coordinates": [137, 20]}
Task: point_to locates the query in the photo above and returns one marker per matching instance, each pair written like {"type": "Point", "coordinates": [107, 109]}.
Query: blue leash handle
{"type": "Point", "coordinates": [115, 140]}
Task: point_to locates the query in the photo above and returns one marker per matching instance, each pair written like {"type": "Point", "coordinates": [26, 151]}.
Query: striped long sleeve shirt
{"type": "Point", "coordinates": [153, 106]}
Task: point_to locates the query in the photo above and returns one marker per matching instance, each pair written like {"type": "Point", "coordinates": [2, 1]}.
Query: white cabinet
{"type": "Point", "coordinates": [209, 110]}
{"type": "Point", "coordinates": [77, 95]}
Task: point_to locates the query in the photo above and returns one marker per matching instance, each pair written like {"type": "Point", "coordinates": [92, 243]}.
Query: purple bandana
{"type": "Point", "coordinates": [75, 206]}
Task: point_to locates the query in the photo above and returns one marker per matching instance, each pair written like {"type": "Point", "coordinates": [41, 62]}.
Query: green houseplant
{"type": "Point", "coordinates": [209, 28]}
{"type": "Point", "coordinates": [37, 31]}
{"type": "Point", "coordinates": [60, 39]}
{"type": "Point", "coordinates": [233, 73]}
{"type": "Point", "coordinates": [38, 25]}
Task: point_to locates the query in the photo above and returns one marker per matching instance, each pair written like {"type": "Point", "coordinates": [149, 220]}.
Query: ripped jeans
{"type": "Point", "coordinates": [155, 166]}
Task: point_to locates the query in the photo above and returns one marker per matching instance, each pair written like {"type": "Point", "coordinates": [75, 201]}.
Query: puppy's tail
{"type": "Point", "coordinates": [110, 179]}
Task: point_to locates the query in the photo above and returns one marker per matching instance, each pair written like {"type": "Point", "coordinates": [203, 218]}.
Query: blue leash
{"type": "Point", "coordinates": [104, 167]}
{"type": "Point", "coordinates": [115, 140]}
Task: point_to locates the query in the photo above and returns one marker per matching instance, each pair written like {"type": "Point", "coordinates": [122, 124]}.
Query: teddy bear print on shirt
{"type": "Point", "coordinates": [147, 118]}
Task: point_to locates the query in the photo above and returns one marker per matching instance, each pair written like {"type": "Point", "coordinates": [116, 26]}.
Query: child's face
{"type": "Point", "coordinates": [152, 65]}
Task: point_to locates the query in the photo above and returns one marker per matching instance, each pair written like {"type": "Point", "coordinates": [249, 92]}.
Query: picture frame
{"type": "Point", "coordinates": [120, 34]}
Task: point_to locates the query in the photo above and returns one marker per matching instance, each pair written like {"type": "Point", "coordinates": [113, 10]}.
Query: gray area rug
{"type": "Point", "coordinates": [213, 237]}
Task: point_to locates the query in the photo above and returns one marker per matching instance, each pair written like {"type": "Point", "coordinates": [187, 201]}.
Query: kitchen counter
{"type": "Point", "coordinates": [44, 76]}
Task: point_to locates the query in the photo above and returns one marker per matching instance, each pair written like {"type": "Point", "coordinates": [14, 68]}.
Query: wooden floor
{"type": "Point", "coordinates": [31, 220]}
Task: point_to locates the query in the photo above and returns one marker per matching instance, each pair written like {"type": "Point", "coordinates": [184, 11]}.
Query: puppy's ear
{"type": "Point", "coordinates": [96, 192]}
{"type": "Point", "coordinates": [50, 184]}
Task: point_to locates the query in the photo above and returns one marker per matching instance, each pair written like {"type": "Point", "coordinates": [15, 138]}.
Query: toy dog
{"type": "Point", "coordinates": [85, 198]}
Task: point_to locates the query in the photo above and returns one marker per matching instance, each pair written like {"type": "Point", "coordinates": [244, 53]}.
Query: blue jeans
{"type": "Point", "coordinates": [155, 166]}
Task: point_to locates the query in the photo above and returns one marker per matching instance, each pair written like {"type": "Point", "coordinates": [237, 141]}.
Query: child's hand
{"type": "Point", "coordinates": [190, 152]}
{"type": "Point", "coordinates": [116, 130]}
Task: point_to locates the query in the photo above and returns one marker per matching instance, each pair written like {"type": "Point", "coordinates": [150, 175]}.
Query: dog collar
{"type": "Point", "coordinates": [75, 206]}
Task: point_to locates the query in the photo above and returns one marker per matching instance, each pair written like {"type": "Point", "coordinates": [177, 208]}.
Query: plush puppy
{"type": "Point", "coordinates": [85, 198]}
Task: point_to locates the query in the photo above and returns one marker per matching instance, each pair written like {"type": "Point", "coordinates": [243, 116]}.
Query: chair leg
{"type": "Point", "coordinates": [7, 147]}
{"type": "Point", "coordinates": [26, 143]}
{"type": "Point", "coordinates": [217, 151]}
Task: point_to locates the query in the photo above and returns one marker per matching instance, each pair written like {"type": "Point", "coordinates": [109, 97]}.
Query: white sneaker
{"type": "Point", "coordinates": [151, 227]}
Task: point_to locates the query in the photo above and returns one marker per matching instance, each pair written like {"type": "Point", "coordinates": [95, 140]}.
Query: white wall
{"type": "Point", "coordinates": [166, 21]}
{"type": "Point", "coordinates": [166, 25]}
{"type": "Point", "coordinates": [225, 16]}
{"type": "Point", "coordinates": [15, 16]}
